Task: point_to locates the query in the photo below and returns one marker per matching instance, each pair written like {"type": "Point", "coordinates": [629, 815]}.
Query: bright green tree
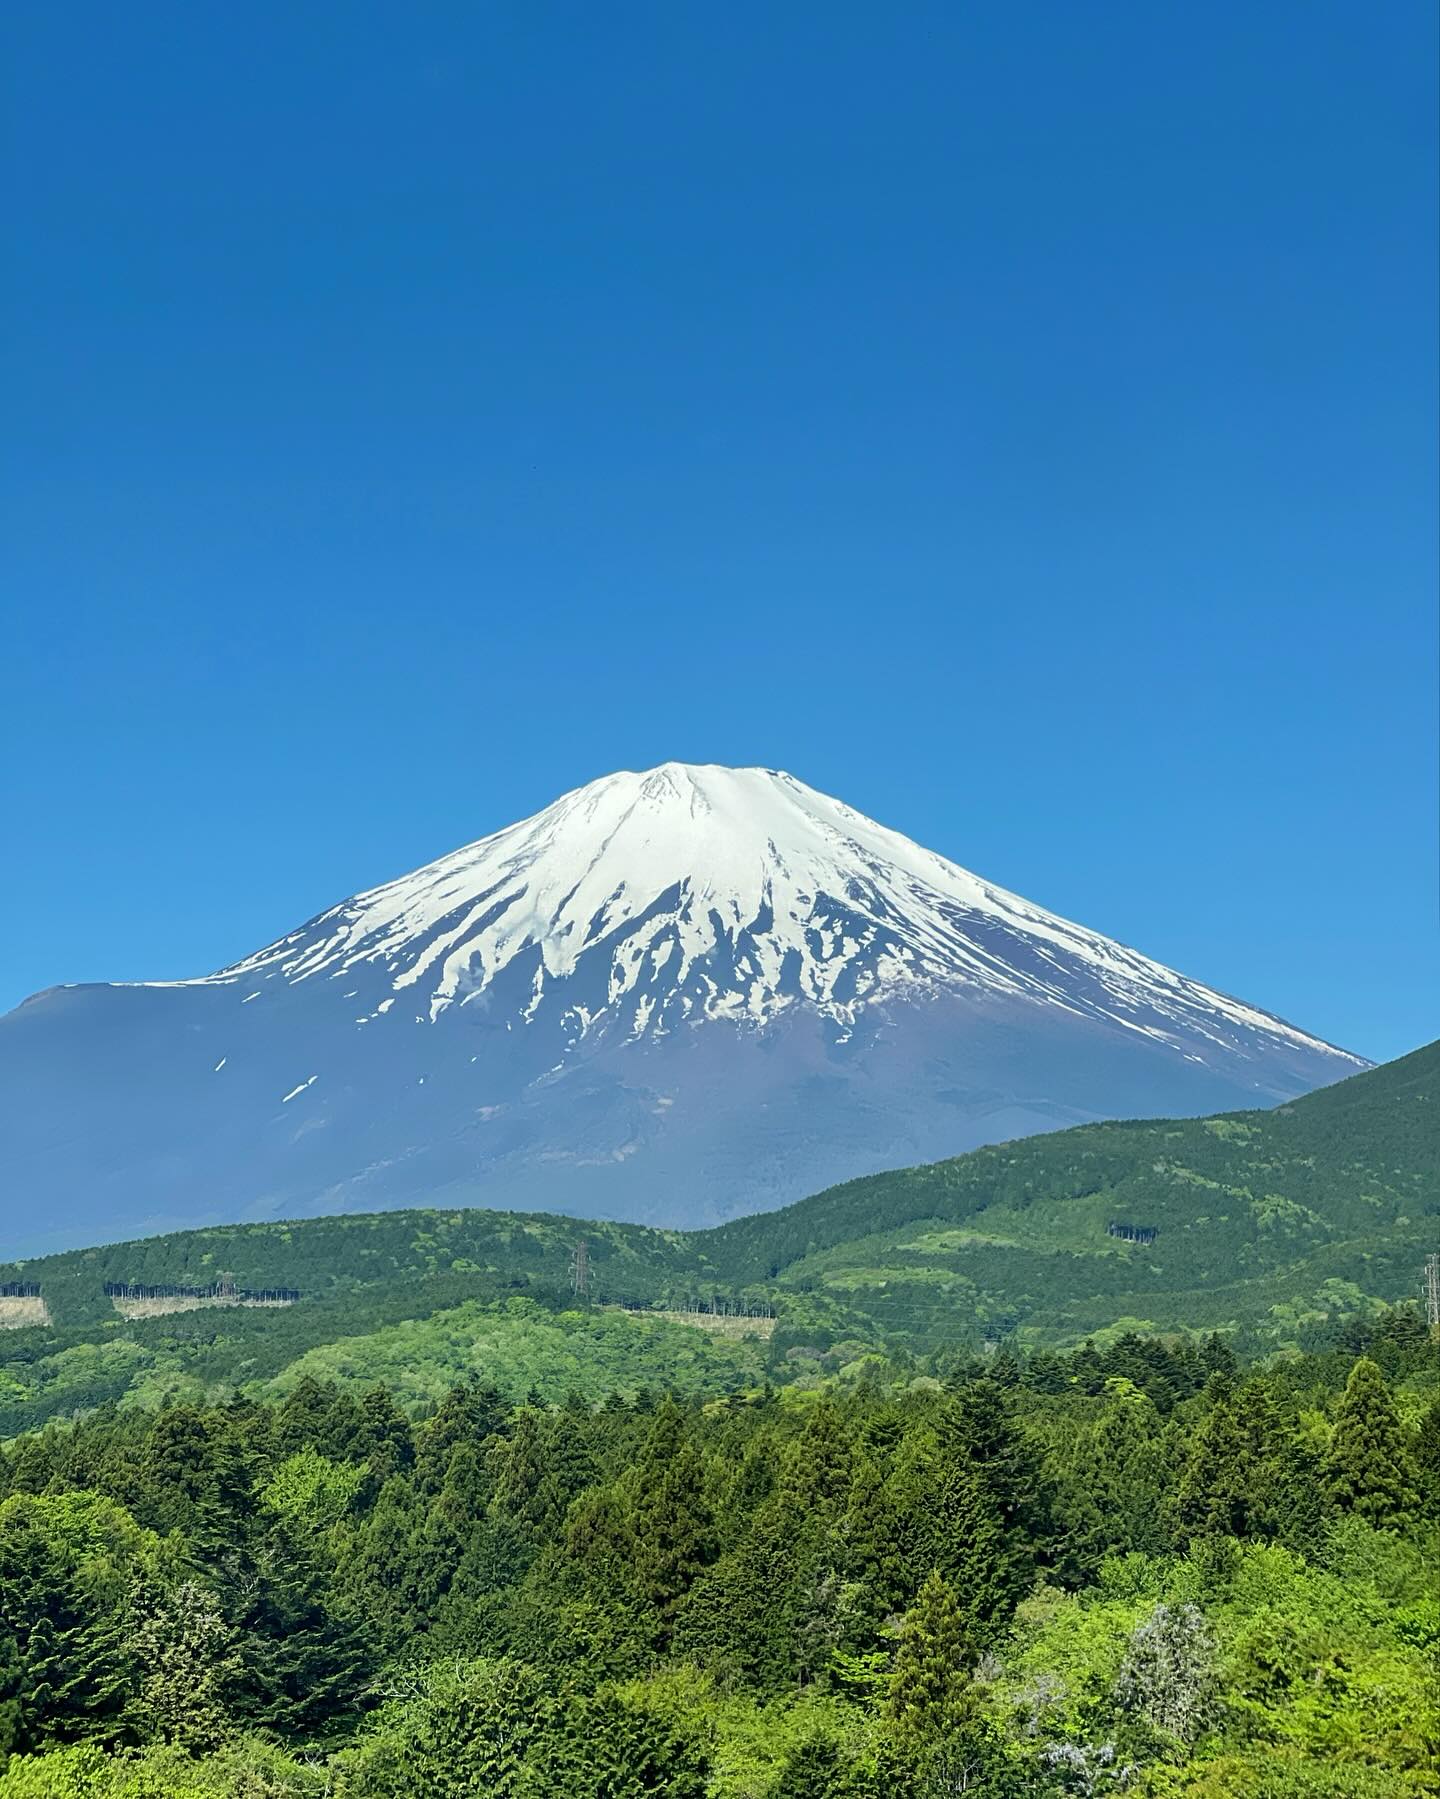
{"type": "Point", "coordinates": [67, 1563]}
{"type": "Point", "coordinates": [466, 1730]}
{"type": "Point", "coordinates": [930, 1687]}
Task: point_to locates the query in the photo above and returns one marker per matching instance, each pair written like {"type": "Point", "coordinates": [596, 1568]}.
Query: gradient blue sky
{"type": "Point", "coordinates": [1016, 419]}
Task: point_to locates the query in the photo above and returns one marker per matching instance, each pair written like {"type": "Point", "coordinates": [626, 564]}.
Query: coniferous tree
{"type": "Point", "coordinates": [382, 1572]}
{"type": "Point", "coordinates": [603, 1747]}
{"type": "Point", "coordinates": [303, 1422]}
{"type": "Point", "coordinates": [993, 1476]}
{"type": "Point", "coordinates": [468, 1730]}
{"type": "Point", "coordinates": [984, 1565]}
{"type": "Point", "coordinates": [67, 1563]}
{"type": "Point", "coordinates": [673, 1527]}
{"type": "Point", "coordinates": [470, 1413]}
{"type": "Point", "coordinates": [741, 1614]}
{"type": "Point", "coordinates": [1121, 1469]}
{"type": "Point", "coordinates": [930, 1687]}
{"type": "Point", "coordinates": [304, 1660]}
{"type": "Point", "coordinates": [816, 1468]}
{"type": "Point", "coordinates": [871, 1548]}
{"type": "Point", "coordinates": [383, 1441]}
{"type": "Point", "coordinates": [1214, 1496]}
{"type": "Point", "coordinates": [1367, 1466]}
{"type": "Point", "coordinates": [190, 1480]}
{"type": "Point", "coordinates": [518, 1471]}
{"type": "Point", "coordinates": [815, 1769]}
{"type": "Point", "coordinates": [1262, 1436]}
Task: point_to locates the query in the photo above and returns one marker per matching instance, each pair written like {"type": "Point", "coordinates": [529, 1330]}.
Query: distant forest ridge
{"type": "Point", "coordinates": [1254, 1220]}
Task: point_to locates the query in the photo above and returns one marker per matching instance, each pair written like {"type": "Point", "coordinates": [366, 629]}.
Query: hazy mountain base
{"type": "Point", "coordinates": [1270, 1225]}
{"type": "Point", "coordinates": [1140, 1571]}
{"type": "Point", "coordinates": [118, 1118]}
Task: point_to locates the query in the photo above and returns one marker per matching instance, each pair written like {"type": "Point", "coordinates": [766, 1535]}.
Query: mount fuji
{"type": "Point", "coordinates": [670, 997]}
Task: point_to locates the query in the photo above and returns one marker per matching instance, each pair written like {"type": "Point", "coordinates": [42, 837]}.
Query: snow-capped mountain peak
{"type": "Point", "coordinates": [712, 893]}
{"type": "Point", "coordinates": [672, 996]}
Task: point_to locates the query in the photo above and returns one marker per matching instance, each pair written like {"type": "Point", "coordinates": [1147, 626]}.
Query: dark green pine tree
{"type": "Point", "coordinates": [175, 1484]}
{"type": "Point", "coordinates": [305, 1662]}
{"type": "Point", "coordinates": [451, 1523]}
{"type": "Point", "coordinates": [872, 1554]}
{"type": "Point", "coordinates": [981, 1563]}
{"type": "Point", "coordinates": [1123, 1466]}
{"type": "Point", "coordinates": [1045, 1373]}
{"type": "Point", "coordinates": [816, 1470]}
{"type": "Point", "coordinates": [930, 1692]}
{"type": "Point", "coordinates": [1367, 1466]}
{"type": "Point", "coordinates": [468, 1414]}
{"type": "Point", "coordinates": [63, 1671]}
{"type": "Point", "coordinates": [384, 1441]}
{"type": "Point", "coordinates": [34, 1462]}
{"type": "Point", "coordinates": [1214, 1497]}
{"type": "Point", "coordinates": [1262, 1437]}
{"type": "Point", "coordinates": [1285, 1495]}
{"type": "Point", "coordinates": [605, 1747]}
{"type": "Point", "coordinates": [383, 1577]}
{"type": "Point", "coordinates": [304, 1417]}
{"type": "Point", "coordinates": [674, 1530]}
{"type": "Point", "coordinates": [741, 1615]}
{"type": "Point", "coordinates": [518, 1471]}
{"type": "Point", "coordinates": [474, 1728]}
{"type": "Point", "coordinates": [992, 1477]}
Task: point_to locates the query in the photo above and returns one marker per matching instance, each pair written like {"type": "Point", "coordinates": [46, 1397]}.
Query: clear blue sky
{"type": "Point", "coordinates": [1017, 419]}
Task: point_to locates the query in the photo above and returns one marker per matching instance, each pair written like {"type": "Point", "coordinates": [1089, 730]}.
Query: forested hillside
{"type": "Point", "coordinates": [1264, 1220]}
{"type": "Point", "coordinates": [1268, 1226]}
{"type": "Point", "coordinates": [1141, 1569]}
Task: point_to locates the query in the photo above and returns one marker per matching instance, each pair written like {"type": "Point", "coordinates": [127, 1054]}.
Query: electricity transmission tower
{"type": "Point", "coordinates": [580, 1269]}
{"type": "Point", "coordinates": [1432, 1293]}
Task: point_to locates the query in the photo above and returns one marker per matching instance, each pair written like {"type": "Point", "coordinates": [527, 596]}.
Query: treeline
{"type": "Point", "coordinates": [344, 1255]}
{"type": "Point", "coordinates": [1140, 1567]}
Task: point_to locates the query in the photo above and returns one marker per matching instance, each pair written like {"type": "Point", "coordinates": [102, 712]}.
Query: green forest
{"type": "Point", "coordinates": [1143, 1567]}
{"type": "Point", "coordinates": [1104, 1462]}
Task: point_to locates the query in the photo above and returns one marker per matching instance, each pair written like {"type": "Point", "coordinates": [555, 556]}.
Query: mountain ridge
{"type": "Point", "coordinates": [1272, 1226]}
{"type": "Point", "coordinates": [670, 996]}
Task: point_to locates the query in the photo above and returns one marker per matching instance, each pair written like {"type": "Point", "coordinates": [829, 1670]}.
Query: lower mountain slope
{"type": "Point", "coordinates": [1266, 1219]}
{"type": "Point", "coordinates": [1272, 1225]}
